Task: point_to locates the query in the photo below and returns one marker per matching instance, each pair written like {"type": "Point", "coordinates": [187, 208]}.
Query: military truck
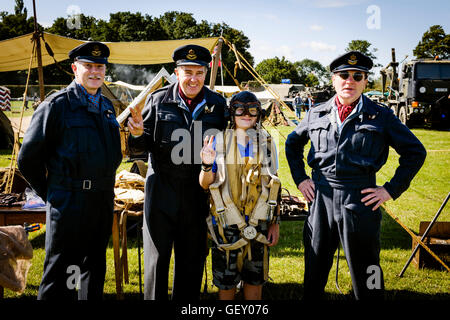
{"type": "Point", "coordinates": [322, 93]}
{"type": "Point", "coordinates": [420, 93]}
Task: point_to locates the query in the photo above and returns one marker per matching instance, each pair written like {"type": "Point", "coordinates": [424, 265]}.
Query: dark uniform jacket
{"type": "Point", "coordinates": [355, 154]}
{"type": "Point", "coordinates": [71, 145]}
{"type": "Point", "coordinates": [70, 155]}
{"type": "Point", "coordinates": [170, 162]}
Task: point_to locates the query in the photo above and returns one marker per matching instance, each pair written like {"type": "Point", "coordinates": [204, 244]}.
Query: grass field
{"type": "Point", "coordinates": [16, 107]}
{"type": "Point", "coordinates": [419, 203]}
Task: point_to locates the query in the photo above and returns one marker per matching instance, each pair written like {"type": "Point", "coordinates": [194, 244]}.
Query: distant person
{"type": "Point", "coordinates": [350, 138]}
{"type": "Point", "coordinates": [307, 103]}
{"type": "Point", "coordinates": [69, 156]}
{"type": "Point", "coordinates": [298, 105]}
{"type": "Point", "coordinates": [175, 206]}
{"type": "Point", "coordinates": [239, 168]}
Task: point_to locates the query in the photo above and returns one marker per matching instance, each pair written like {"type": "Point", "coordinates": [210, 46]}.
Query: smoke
{"type": "Point", "coordinates": [137, 75]}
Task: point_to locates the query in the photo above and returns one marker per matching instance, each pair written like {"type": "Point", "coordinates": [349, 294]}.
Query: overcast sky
{"type": "Point", "coordinates": [297, 29]}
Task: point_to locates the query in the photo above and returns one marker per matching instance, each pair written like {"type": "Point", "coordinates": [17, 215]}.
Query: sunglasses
{"type": "Point", "coordinates": [251, 109]}
{"type": "Point", "coordinates": [357, 76]}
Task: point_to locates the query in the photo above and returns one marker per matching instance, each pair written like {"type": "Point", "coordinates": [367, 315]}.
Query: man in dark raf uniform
{"type": "Point", "coordinates": [70, 155]}
{"type": "Point", "coordinates": [350, 138]}
{"type": "Point", "coordinates": [171, 129]}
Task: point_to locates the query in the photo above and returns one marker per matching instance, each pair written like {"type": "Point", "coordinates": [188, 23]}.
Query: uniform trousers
{"type": "Point", "coordinates": [78, 229]}
{"type": "Point", "coordinates": [337, 214]}
{"type": "Point", "coordinates": [186, 235]}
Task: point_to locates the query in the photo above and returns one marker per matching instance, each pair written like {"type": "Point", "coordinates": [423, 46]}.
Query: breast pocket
{"type": "Point", "coordinates": [368, 140]}
{"type": "Point", "coordinates": [167, 123]}
{"type": "Point", "coordinates": [318, 134]}
{"type": "Point", "coordinates": [80, 135]}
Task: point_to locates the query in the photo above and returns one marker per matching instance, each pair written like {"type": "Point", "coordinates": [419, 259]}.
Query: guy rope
{"type": "Point", "coordinates": [255, 75]}
{"type": "Point", "coordinates": [12, 165]}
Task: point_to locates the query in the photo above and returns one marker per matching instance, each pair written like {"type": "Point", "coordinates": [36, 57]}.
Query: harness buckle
{"type": "Point", "coordinates": [220, 212]}
{"type": "Point", "coordinates": [87, 184]}
{"type": "Point", "coordinates": [272, 204]}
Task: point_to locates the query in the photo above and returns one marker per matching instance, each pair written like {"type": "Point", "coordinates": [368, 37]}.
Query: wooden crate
{"type": "Point", "coordinates": [438, 240]}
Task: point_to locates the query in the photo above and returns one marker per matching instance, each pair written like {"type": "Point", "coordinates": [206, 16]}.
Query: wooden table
{"type": "Point", "coordinates": [119, 239]}
{"type": "Point", "coordinates": [17, 216]}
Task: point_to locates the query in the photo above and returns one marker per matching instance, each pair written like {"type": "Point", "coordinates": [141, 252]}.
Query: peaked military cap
{"type": "Point", "coordinates": [191, 54]}
{"type": "Point", "coordinates": [93, 51]}
{"type": "Point", "coordinates": [353, 60]}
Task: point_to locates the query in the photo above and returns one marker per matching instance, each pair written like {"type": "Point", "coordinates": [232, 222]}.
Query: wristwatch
{"type": "Point", "coordinates": [206, 167]}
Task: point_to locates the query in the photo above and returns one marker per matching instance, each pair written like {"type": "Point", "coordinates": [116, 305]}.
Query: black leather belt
{"type": "Point", "coordinates": [362, 181]}
{"type": "Point", "coordinates": [91, 184]}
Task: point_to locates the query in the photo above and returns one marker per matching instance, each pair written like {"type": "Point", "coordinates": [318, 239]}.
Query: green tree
{"type": "Point", "coordinates": [20, 9]}
{"type": "Point", "coordinates": [178, 25]}
{"type": "Point", "coordinates": [311, 72]}
{"type": "Point", "coordinates": [363, 46]}
{"type": "Point", "coordinates": [274, 69]}
{"type": "Point", "coordinates": [435, 43]}
{"type": "Point", "coordinates": [14, 25]}
{"type": "Point", "coordinates": [87, 31]}
{"type": "Point", "coordinates": [17, 24]}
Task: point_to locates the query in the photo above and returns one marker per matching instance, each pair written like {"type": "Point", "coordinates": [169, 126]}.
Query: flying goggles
{"type": "Point", "coordinates": [253, 109]}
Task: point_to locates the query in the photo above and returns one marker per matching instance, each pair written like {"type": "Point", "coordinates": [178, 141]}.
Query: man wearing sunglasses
{"type": "Point", "coordinates": [350, 138]}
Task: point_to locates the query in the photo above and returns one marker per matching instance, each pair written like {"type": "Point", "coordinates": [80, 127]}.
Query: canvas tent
{"type": "Point", "coordinates": [228, 91]}
{"type": "Point", "coordinates": [15, 53]}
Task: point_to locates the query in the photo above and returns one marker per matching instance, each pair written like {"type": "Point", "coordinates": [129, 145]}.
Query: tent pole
{"type": "Point", "coordinates": [221, 68]}
{"type": "Point", "coordinates": [36, 38]}
{"type": "Point", "coordinates": [212, 79]}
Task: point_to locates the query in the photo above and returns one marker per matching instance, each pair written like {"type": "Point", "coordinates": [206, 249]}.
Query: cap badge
{"type": "Point", "coordinates": [191, 55]}
{"type": "Point", "coordinates": [96, 52]}
{"type": "Point", "coordinates": [352, 60]}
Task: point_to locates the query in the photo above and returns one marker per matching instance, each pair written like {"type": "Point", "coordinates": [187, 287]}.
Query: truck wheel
{"type": "Point", "coordinates": [394, 109]}
{"type": "Point", "coordinates": [402, 114]}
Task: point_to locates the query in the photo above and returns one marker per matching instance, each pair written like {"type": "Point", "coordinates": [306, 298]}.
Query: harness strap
{"type": "Point", "coordinates": [270, 187]}
{"type": "Point", "coordinates": [231, 214]}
